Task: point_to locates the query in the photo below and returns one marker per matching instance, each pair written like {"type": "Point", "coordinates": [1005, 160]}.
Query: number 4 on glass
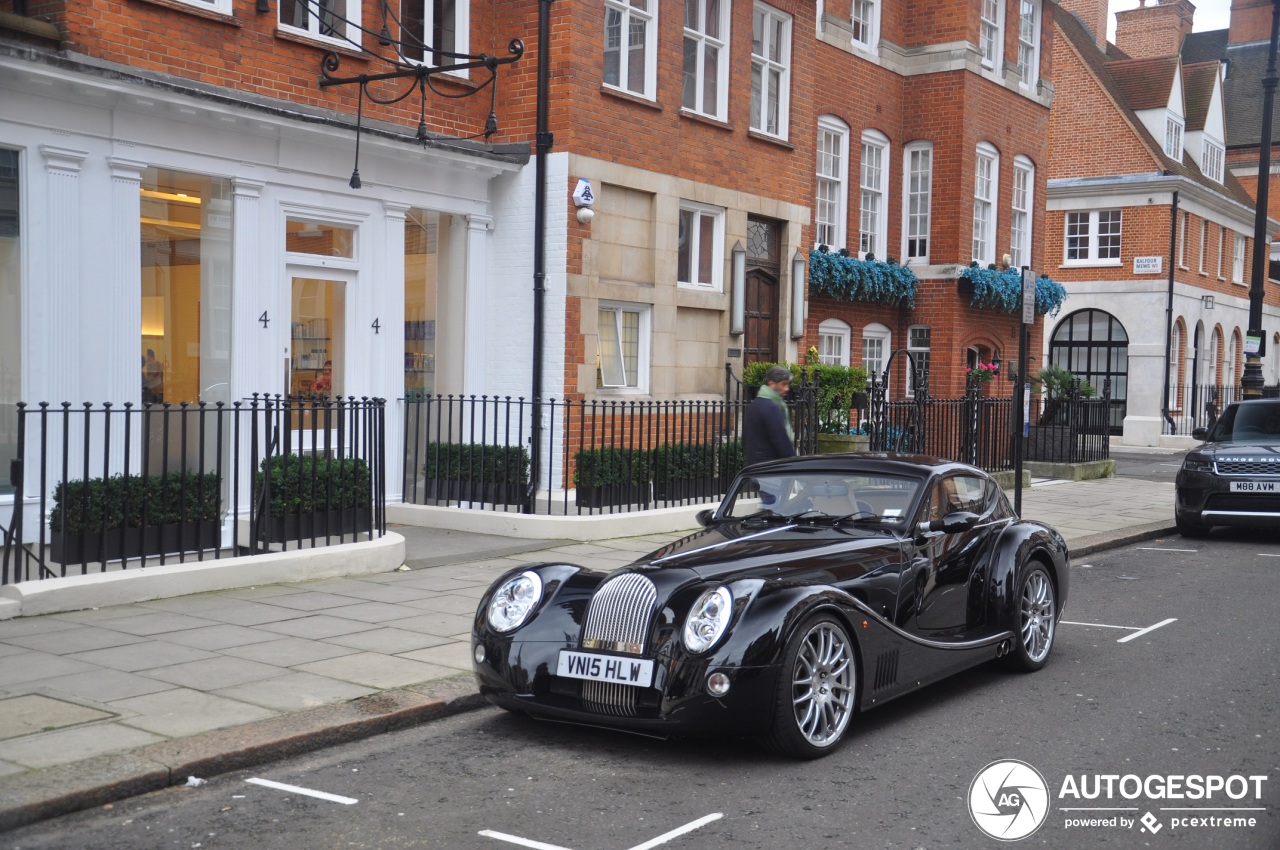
{"type": "Point", "coordinates": [263, 318]}
{"type": "Point", "coordinates": [376, 326]}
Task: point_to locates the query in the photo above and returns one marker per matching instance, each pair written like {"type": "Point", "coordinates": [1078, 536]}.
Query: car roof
{"type": "Point", "coordinates": [918, 466]}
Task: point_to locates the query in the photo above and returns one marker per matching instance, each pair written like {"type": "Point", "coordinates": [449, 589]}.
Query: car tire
{"type": "Point", "coordinates": [1189, 529]}
{"type": "Point", "coordinates": [817, 689]}
{"type": "Point", "coordinates": [1037, 619]}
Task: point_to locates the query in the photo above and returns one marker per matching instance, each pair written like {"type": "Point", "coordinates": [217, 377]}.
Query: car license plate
{"type": "Point", "coordinates": [1255, 486]}
{"type": "Point", "coordinates": [637, 672]}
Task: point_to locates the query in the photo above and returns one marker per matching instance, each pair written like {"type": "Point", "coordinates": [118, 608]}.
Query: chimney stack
{"type": "Point", "coordinates": [1250, 21]}
{"type": "Point", "coordinates": [1094, 15]}
{"type": "Point", "coordinates": [1155, 29]}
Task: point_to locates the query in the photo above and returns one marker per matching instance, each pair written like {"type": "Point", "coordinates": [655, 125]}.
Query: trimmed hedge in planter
{"type": "Point", "coordinates": [107, 519]}
{"type": "Point", "coordinates": [315, 497]}
{"type": "Point", "coordinates": [684, 471]}
{"type": "Point", "coordinates": [476, 472]}
{"type": "Point", "coordinates": [611, 477]}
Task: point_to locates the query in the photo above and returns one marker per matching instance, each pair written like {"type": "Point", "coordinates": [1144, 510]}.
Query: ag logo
{"type": "Point", "coordinates": [1008, 800]}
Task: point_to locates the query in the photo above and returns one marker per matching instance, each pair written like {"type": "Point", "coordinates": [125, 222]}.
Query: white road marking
{"type": "Point", "coordinates": [676, 833]}
{"type": "Point", "coordinates": [1139, 634]}
{"type": "Point", "coordinates": [1268, 555]}
{"type": "Point", "coordinates": [648, 845]}
{"type": "Point", "coordinates": [1098, 625]}
{"type": "Point", "coordinates": [323, 795]}
{"type": "Point", "coordinates": [1163, 549]}
{"type": "Point", "coordinates": [523, 842]}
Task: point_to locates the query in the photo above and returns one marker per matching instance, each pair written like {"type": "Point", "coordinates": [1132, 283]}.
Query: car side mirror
{"type": "Point", "coordinates": [953, 523]}
{"type": "Point", "coordinates": [1200, 434]}
{"type": "Point", "coordinates": [704, 517]}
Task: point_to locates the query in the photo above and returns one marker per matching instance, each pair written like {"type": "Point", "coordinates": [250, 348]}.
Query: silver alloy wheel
{"type": "Point", "coordinates": [822, 684]}
{"type": "Point", "coordinates": [1038, 615]}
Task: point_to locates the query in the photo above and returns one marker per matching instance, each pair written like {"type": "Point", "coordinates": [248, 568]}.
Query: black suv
{"type": "Point", "coordinates": [1234, 477]}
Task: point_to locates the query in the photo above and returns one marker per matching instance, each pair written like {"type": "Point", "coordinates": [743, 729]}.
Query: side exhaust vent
{"type": "Point", "coordinates": [886, 671]}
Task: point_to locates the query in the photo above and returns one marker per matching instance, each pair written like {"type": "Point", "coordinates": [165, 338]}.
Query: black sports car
{"type": "Point", "coordinates": [1234, 477]}
{"type": "Point", "coordinates": [821, 585]}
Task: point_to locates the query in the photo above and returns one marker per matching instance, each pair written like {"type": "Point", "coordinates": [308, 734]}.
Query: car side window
{"type": "Point", "coordinates": [964, 493]}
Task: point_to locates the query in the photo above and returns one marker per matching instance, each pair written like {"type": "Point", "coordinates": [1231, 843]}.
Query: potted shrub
{"type": "Point", "coordinates": [611, 477]}
{"type": "Point", "coordinates": [310, 496]}
{"type": "Point", "coordinates": [109, 519]}
{"type": "Point", "coordinates": [684, 471]}
{"type": "Point", "coordinates": [476, 472]}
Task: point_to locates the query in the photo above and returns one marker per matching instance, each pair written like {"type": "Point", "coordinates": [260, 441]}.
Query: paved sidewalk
{"type": "Point", "coordinates": [101, 704]}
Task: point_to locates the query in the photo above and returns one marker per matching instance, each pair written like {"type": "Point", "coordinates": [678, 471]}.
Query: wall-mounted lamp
{"type": "Point", "coordinates": [738, 308]}
{"type": "Point", "coordinates": [996, 360]}
{"type": "Point", "coordinates": [1206, 301]}
{"type": "Point", "coordinates": [798, 262]}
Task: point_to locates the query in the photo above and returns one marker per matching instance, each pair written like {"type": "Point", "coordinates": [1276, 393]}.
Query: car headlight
{"type": "Point", "coordinates": [1197, 463]}
{"type": "Point", "coordinates": [708, 619]}
{"type": "Point", "coordinates": [514, 600]}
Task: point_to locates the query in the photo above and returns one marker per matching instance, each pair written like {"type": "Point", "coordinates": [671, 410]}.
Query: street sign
{"type": "Point", "coordinates": [1148, 265]}
{"type": "Point", "coordinates": [1028, 297]}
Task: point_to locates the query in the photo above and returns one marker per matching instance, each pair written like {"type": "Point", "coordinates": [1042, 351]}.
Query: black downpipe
{"type": "Point", "coordinates": [543, 144]}
{"type": "Point", "coordinates": [1168, 315]}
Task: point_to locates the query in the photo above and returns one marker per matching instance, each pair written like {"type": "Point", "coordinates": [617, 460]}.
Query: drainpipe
{"type": "Point", "coordinates": [543, 144]}
{"type": "Point", "coordinates": [1168, 314]}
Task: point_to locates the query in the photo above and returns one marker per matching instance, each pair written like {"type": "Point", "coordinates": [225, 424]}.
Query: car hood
{"type": "Point", "coordinates": [1269, 455]}
{"type": "Point", "coordinates": [731, 551]}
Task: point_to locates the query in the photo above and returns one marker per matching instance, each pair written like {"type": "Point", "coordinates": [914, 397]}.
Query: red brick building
{"type": "Point", "coordinates": [1147, 226]}
{"type": "Point", "coordinates": [179, 188]}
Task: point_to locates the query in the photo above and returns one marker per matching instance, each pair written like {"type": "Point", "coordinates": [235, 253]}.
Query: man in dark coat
{"type": "Point", "coordinates": [766, 429]}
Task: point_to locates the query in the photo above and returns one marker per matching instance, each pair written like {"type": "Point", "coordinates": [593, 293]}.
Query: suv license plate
{"type": "Point", "coordinates": [1255, 486]}
{"type": "Point", "coordinates": [637, 672]}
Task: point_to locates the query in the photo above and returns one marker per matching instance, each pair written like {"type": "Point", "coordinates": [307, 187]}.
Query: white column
{"type": "Point", "coordinates": [55, 328]}
{"type": "Point", "coordinates": [476, 295]}
{"type": "Point", "coordinates": [252, 357]}
{"type": "Point", "coordinates": [120, 328]}
{"type": "Point", "coordinates": [388, 371]}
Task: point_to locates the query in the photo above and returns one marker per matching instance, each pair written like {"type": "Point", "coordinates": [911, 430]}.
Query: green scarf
{"type": "Point", "coordinates": [770, 393]}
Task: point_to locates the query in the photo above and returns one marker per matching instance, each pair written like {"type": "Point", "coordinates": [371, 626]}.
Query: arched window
{"type": "Point", "coordinates": [1177, 364]}
{"type": "Point", "coordinates": [1093, 346]}
{"type": "Point", "coordinates": [876, 345]}
{"type": "Point", "coordinates": [833, 342]}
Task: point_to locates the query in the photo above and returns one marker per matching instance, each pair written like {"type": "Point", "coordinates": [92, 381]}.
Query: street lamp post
{"type": "Point", "coordinates": [1252, 380]}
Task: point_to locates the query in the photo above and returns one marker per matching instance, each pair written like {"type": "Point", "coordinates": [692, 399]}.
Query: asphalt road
{"type": "Point", "coordinates": [1147, 465]}
{"type": "Point", "coordinates": [1194, 696]}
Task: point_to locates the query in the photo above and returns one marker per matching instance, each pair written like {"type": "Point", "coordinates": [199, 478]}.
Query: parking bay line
{"type": "Point", "coordinates": [323, 795]}
{"type": "Point", "coordinates": [648, 845]}
{"type": "Point", "coordinates": [1138, 631]}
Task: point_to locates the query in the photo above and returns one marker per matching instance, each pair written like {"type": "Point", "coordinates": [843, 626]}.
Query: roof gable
{"type": "Point", "coordinates": [1199, 84]}
{"type": "Point", "coordinates": [1148, 83]}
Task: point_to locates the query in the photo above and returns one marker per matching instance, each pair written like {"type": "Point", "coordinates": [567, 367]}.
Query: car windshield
{"type": "Point", "coordinates": [853, 497]}
{"type": "Point", "coordinates": [1248, 423]}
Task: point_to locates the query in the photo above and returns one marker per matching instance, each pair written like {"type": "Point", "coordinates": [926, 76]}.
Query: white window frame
{"type": "Point", "coordinates": [461, 32]}
{"type": "Point", "coordinates": [350, 17]}
{"type": "Point", "coordinates": [222, 7]}
{"type": "Point", "coordinates": [716, 214]}
{"type": "Point", "coordinates": [864, 17]}
{"type": "Point", "coordinates": [1182, 240]}
{"type": "Point", "coordinates": [764, 67]}
{"type": "Point", "coordinates": [1204, 246]}
{"type": "Point", "coordinates": [1023, 211]}
{"type": "Point", "coordinates": [991, 33]}
{"type": "Point", "coordinates": [915, 350]}
{"type": "Point", "coordinates": [636, 13]}
{"type": "Point", "coordinates": [1091, 236]}
{"type": "Point", "coordinates": [876, 332]}
{"type": "Point", "coordinates": [986, 192]}
{"type": "Point", "coordinates": [697, 39]}
{"type": "Point", "coordinates": [1173, 137]}
{"type": "Point", "coordinates": [1222, 247]}
{"type": "Point", "coordinates": [1237, 260]}
{"type": "Point", "coordinates": [917, 203]}
{"type": "Point", "coordinates": [1029, 42]}
{"type": "Point", "coordinates": [833, 342]}
{"type": "Point", "coordinates": [1212, 155]}
{"type": "Point", "coordinates": [873, 204]}
{"type": "Point", "coordinates": [831, 202]}
{"type": "Point", "coordinates": [643, 344]}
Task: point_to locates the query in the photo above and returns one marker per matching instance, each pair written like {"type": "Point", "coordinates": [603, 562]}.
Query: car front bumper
{"type": "Point", "coordinates": [1205, 498]}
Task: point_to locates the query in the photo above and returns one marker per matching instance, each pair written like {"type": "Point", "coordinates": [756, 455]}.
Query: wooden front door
{"type": "Point", "coordinates": [764, 268]}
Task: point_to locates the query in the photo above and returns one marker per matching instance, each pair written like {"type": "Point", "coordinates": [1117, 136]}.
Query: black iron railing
{"type": "Point", "coordinates": [98, 488]}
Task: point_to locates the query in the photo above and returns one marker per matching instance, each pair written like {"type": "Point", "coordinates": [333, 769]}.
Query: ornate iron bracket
{"type": "Point", "coordinates": [420, 79]}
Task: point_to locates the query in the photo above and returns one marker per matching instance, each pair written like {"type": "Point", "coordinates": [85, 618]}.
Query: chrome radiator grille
{"type": "Point", "coordinates": [617, 621]}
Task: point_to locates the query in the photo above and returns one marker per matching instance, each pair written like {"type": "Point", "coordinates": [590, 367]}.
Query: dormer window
{"type": "Point", "coordinates": [1173, 137]}
{"type": "Point", "coordinates": [1211, 160]}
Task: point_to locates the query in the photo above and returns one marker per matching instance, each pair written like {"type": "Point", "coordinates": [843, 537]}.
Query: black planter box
{"type": "Point", "coordinates": [449, 490]}
{"type": "Point", "coordinates": [613, 495]}
{"type": "Point", "coordinates": [318, 525]}
{"type": "Point", "coordinates": [116, 544]}
{"type": "Point", "coordinates": [1050, 443]}
{"type": "Point", "coordinates": [677, 489]}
